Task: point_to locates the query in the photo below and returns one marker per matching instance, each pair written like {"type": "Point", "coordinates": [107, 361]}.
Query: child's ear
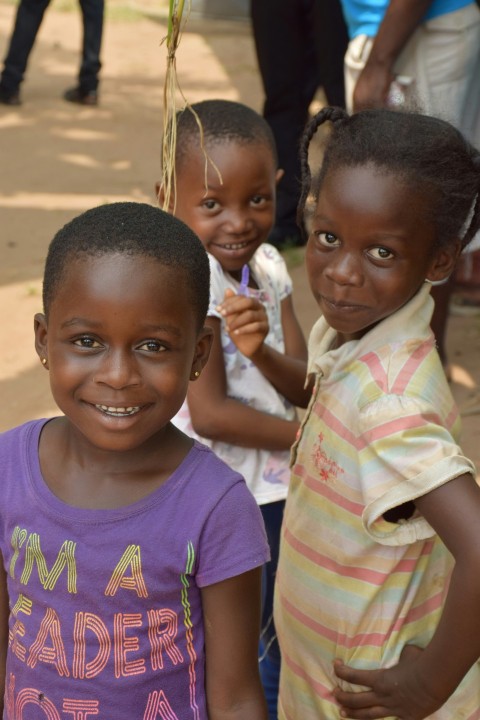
{"type": "Point", "coordinates": [41, 333]}
{"type": "Point", "coordinates": [278, 175]}
{"type": "Point", "coordinates": [202, 352]}
{"type": "Point", "coordinates": [443, 264]}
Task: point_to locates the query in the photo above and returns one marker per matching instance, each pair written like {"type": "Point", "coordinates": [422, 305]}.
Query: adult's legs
{"type": "Point", "coordinates": [269, 650]}
{"type": "Point", "coordinates": [331, 45]}
{"type": "Point", "coordinates": [27, 22]}
{"type": "Point", "coordinates": [283, 34]}
{"type": "Point", "coordinates": [92, 15]}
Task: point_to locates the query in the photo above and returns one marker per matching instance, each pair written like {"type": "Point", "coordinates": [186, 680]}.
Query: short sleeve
{"type": "Point", "coordinates": [407, 451]}
{"type": "Point", "coordinates": [217, 287]}
{"type": "Point", "coordinates": [271, 272]}
{"type": "Point", "coordinates": [233, 539]}
{"type": "Point", "coordinates": [276, 270]}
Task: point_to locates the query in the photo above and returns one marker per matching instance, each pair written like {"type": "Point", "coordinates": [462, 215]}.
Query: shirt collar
{"type": "Point", "coordinates": [412, 320]}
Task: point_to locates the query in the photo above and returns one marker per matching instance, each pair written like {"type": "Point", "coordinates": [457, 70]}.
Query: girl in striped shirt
{"type": "Point", "coordinates": [378, 590]}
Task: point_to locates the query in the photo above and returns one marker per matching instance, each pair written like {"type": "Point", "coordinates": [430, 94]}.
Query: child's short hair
{"type": "Point", "coordinates": [430, 155]}
{"type": "Point", "coordinates": [134, 229]}
{"type": "Point", "coordinates": [221, 121]}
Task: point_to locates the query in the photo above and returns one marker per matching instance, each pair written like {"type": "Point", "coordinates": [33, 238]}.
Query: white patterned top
{"type": "Point", "coordinates": [266, 472]}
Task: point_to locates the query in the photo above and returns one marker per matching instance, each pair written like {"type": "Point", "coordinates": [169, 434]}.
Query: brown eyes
{"type": "Point", "coordinates": [381, 253]}
{"type": "Point", "coordinates": [86, 342]}
{"type": "Point", "coordinates": [327, 239]}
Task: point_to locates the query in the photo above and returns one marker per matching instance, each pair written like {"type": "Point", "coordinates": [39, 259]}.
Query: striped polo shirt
{"type": "Point", "coordinates": [381, 430]}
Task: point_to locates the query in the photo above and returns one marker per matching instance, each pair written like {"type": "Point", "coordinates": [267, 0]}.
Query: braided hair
{"type": "Point", "coordinates": [428, 154]}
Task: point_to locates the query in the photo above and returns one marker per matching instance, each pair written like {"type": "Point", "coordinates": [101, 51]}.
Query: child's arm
{"type": "Point", "coordinates": [231, 612]}
{"type": "Point", "coordinates": [423, 681]}
{"type": "Point", "coordinates": [217, 417]}
{"type": "Point", "coordinates": [4, 614]}
{"type": "Point", "coordinates": [248, 328]}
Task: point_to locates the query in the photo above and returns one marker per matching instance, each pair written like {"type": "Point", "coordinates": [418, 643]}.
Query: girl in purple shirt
{"type": "Point", "coordinates": [130, 582]}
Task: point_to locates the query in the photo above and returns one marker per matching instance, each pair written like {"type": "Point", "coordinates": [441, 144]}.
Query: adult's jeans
{"type": "Point", "coordinates": [27, 23]}
{"type": "Point", "coordinates": [300, 45]}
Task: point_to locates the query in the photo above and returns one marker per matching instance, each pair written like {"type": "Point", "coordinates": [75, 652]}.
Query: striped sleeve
{"type": "Point", "coordinates": [407, 451]}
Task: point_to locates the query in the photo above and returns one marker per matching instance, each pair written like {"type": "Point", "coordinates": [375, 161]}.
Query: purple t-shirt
{"type": "Point", "coordinates": [106, 616]}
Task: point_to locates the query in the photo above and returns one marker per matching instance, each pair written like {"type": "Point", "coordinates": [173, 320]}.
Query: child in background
{"type": "Point", "coordinates": [378, 589]}
{"type": "Point", "coordinates": [130, 583]}
{"type": "Point", "coordinates": [243, 406]}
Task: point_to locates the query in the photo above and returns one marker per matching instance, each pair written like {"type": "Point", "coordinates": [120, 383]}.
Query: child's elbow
{"type": "Point", "coordinates": [208, 426]}
{"type": "Point", "coordinates": [306, 394]}
{"type": "Point", "coordinates": [304, 399]}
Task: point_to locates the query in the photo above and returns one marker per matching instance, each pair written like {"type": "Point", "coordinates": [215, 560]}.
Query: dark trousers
{"type": "Point", "coordinates": [300, 46]}
{"type": "Point", "coordinates": [27, 23]}
{"type": "Point", "coordinates": [269, 651]}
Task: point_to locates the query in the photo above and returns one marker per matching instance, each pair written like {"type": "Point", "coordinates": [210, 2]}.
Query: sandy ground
{"type": "Point", "coordinates": [58, 160]}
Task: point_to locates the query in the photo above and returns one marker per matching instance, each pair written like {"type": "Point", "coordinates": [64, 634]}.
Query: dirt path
{"type": "Point", "coordinates": [58, 160]}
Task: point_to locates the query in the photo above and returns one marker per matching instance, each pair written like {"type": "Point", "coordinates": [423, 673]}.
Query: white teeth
{"type": "Point", "coordinates": [118, 411]}
{"type": "Point", "coordinates": [236, 246]}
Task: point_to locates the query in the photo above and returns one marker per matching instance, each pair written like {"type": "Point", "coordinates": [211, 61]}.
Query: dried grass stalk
{"type": "Point", "coordinates": [176, 23]}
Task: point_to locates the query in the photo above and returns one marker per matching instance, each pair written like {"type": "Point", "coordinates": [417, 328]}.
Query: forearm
{"type": "Point", "coordinates": [252, 708]}
{"type": "Point", "coordinates": [232, 626]}
{"type": "Point", "coordinates": [423, 679]}
{"type": "Point", "coordinates": [286, 374]}
{"type": "Point", "coordinates": [231, 421]}
{"type": "Point", "coordinates": [2, 685]}
{"type": "Point", "coordinates": [455, 646]}
{"type": "Point", "coordinates": [452, 510]}
{"type": "Point", "coordinates": [400, 21]}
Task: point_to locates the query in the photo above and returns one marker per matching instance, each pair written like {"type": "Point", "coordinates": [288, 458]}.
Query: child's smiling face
{"type": "Point", "coordinates": [235, 213]}
{"type": "Point", "coordinates": [372, 245]}
{"type": "Point", "coordinates": [122, 343]}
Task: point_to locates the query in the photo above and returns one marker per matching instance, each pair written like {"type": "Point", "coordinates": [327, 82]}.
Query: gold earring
{"type": "Point", "coordinates": [44, 361]}
{"type": "Point", "coordinates": [196, 373]}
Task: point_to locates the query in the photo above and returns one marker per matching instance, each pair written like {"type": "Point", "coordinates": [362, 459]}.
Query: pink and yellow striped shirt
{"type": "Point", "coordinates": [380, 430]}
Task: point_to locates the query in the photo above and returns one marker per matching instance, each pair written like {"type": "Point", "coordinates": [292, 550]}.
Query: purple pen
{"type": "Point", "coordinates": [243, 289]}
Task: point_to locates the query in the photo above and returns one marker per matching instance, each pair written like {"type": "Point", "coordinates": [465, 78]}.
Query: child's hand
{"type": "Point", "coordinates": [246, 322]}
{"type": "Point", "coordinates": [397, 691]}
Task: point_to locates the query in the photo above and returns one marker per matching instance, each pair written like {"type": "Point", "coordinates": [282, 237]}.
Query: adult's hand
{"type": "Point", "coordinates": [401, 19]}
{"type": "Point", "coordinates": [372, 88]}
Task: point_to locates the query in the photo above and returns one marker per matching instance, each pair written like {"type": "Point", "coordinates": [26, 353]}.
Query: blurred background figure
{"type": "Point", "coordinates": [27, 23]}
{"type": "Point", "coordinates": [300, 46]}
{"type": "Point", "coordinates": [429, 49]}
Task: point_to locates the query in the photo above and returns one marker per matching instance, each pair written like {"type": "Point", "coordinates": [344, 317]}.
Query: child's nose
{"type": "Point", "coordinates": [117, 370]}
{"type": "Point", "coordinates": [345, 269]}
{"type": "Point", "coordinates": [237, 221]}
